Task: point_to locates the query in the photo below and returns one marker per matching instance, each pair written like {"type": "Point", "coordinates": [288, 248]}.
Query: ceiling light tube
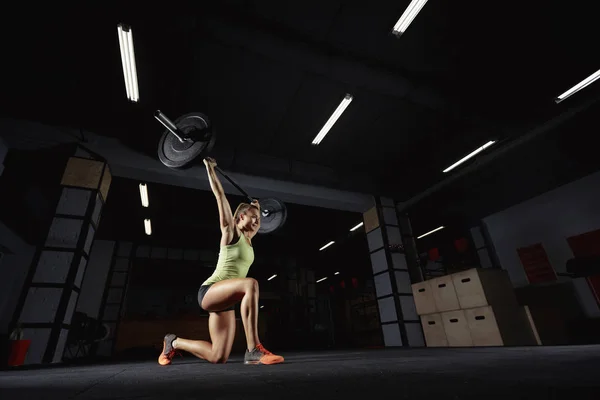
{"type": "Point", "coordinates": [479, 150]}
{"type": "Point", "coordinates": [262, 306]}
{"type": "Point", "coordinates": [334, 117]}
{"type": "Point", "coordinates": [272, 277]}
{"type": "Point", "coordinates": [356, 227]}
{"type": "Point", "coordinates": [326, 246]}
{"type": "Point", "coordinates": [408, 16]}
{"type": "Point", "coordinates": [321, 280]}
{"type": "Point", "coordinates": [128, 61]}
{"type": "Point", "coordinates": [430, 232]}
{"type": "Point", "coordinates": [144, 195]}
{"type": "Point", "coordinates": [148, 227]}
{"type": "Point", "coordinates": [586, 82]}
{"type": "Point", "coordinates": [337, 273]}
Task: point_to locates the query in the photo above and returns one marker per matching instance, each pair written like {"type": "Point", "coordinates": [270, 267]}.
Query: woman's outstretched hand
{"type": "Point", "coordinates": [210, 162]}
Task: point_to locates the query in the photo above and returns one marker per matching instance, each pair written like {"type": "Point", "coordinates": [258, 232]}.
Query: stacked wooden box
{"type": "Point", "coordinates": [476, 307]}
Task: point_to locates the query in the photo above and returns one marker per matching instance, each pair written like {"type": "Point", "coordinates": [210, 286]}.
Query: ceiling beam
{"type": "Point", "coordinates": [128, 163]}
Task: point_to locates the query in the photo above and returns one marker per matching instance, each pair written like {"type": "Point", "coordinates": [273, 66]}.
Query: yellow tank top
{"type": "Point", "coordinates": [234, 261]}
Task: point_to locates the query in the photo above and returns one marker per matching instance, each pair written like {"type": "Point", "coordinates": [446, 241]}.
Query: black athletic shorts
{"type": "Point", "coordinates": [202, 292]}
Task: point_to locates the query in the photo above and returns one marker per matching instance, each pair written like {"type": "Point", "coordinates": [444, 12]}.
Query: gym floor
{"type": "Point", "coordinates": [483, 373]}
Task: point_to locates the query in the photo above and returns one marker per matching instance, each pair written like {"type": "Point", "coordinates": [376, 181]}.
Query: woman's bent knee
{"type": "Point", "coordinates": [252, 284]}
{"type": "Point", "coordinates": [217, 359]}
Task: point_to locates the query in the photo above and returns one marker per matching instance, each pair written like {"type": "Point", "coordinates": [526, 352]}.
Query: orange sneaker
{"type": "Point", "coordinates": [260, 355]}
{"type": "Point", "coordinates": [168, 351]}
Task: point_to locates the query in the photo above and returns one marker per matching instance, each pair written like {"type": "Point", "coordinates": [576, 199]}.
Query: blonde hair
{"type": "Point", "coordinates": [242, 208]}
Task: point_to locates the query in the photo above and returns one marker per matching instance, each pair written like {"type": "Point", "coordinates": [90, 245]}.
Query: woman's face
{"type": "Point", "coordinates": [250, 219]}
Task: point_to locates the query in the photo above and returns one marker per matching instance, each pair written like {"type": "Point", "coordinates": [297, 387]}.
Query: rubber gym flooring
{"type": "Point", "coordinates": [482, 373]}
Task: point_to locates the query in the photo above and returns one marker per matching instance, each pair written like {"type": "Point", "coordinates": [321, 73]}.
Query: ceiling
{"type": "Point", "coordinates": [270, 73]}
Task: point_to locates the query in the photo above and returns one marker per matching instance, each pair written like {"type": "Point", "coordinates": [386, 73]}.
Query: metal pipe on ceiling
{"type": "Point", "coordinates": [500, 151]}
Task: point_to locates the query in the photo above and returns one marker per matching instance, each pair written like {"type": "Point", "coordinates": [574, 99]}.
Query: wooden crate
{"type": "Point", "coordinates": [444, 294]}
{"type": "Point", "coordinates": [433, 330]}
{"type": "Point", "coordinates": [457, 328]}
{"type": "Point", "coordinates": [423, 296]}
{"type": "Point", "coordinates": [480, 287]}
{"type": "Point", "coordinates": [500, 326]}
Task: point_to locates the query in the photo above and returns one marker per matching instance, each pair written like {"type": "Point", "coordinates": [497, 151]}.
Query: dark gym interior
{"type": "Point", "coordinates": [430, 178]}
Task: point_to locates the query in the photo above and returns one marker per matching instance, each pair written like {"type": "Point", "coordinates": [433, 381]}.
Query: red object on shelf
{"type": "Point", "coordinates": [461, 245]}
{"type": "Point", "coordinates": [343, 284]}
{"type": "Point", "coordinates": [18, 351]}
{"type": "Point", "coordinates": [434, 254]}
{"type": "Point", "coordinates": [355, 282]}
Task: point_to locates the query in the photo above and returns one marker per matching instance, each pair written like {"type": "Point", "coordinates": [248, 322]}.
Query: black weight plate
{"type": "Point", "coordinates": [273, 215]}
{"type": "Point", "coordinates": [175, 154]}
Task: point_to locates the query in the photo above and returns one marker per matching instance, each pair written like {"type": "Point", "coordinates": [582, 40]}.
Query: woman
{"type": "Point", "coordinates": [226, 287]}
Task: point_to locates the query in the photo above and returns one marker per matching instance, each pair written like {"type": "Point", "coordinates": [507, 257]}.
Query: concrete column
{"type": "Point", "coordinates": [399, 320]}
{"type": "Point", "coordinates": [52, 287]}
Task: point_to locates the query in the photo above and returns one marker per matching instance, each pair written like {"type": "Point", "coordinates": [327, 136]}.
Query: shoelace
{"type": "Point", "coordinates": [174, 353]}
{"type": "Point", "coordinates": [262, 349]}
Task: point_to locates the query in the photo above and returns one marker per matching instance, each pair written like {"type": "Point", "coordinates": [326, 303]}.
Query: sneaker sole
{"type": "Point", "coordinates": [261, 363]}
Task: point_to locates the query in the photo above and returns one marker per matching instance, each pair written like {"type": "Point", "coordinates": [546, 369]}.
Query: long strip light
{"type": "Point", "coordinates": [326, 246]}
{"type": "Point", "coordinates": [144, 195]}
{"type": "Point", "coordinates": [147, 227]}
{"type": "Point", "coordinates": [321, 280]}
{"type": "Point", "coordinates": [128, 60]}
{"type": "Point", "coordinates": [334, 117]}
{"type": "Point", "coordinates": [430, 232]}
{"type": "Point", "coordinates": [409, 14]}
{"type": "Point", "coordinates": [337, 273]}
{"type": "Point", "coordinates": [273, 277]}
{"type": "Point", "coordinates": [586, 82]}
{"type": "Point", "coordinates": [356, 227]}
{"type": "Point", "coordinates": [479, 150]}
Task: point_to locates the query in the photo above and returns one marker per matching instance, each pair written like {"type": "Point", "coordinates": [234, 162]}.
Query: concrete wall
{"type": "Point", "coordinates": [95, 277]}
{"type": "Point", "coordinates": [549, 219]}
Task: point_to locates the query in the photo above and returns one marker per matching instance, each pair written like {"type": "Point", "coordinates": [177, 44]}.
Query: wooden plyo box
{"type": "Point", "coordinates": [423, 295]}
{"type": "Point", "coordinates": [480, 287]}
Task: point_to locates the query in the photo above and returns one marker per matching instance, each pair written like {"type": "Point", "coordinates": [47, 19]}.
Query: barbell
{"type": "Point", "coordinates": [193, 135]}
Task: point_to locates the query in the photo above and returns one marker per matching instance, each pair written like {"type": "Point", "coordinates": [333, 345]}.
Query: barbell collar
{"type": "Point", "coordinates": [163, 119]}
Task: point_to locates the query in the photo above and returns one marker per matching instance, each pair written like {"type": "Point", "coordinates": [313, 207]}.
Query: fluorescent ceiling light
{"type": "Point", "coordinates": [327, 245]}
{"type": "Point", "coordinates": [272, 277]}
{"type": "Point", "coordinates": [337, 273]}
{"type": "Point", "coordinates": [128, 61]}
{"type": "Point", "coordinates": [429, 233]}
{"type": "Point", "coordinates": [479, 150]}
{"type": "Point", "coordinates": [356, 227]}
{"type": "Point", "coordinates": [144, 195]}
{"type": "Point", "coordinates": [587, 81]}
{"type": "Point", "coordinates": [321, 280]}
{"type": "Point", "coordinates": [334, 117]}
{"type": "Point", "coordinates": [409, 14]}
{"type": "Point", "coordinates": [148, 227]}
